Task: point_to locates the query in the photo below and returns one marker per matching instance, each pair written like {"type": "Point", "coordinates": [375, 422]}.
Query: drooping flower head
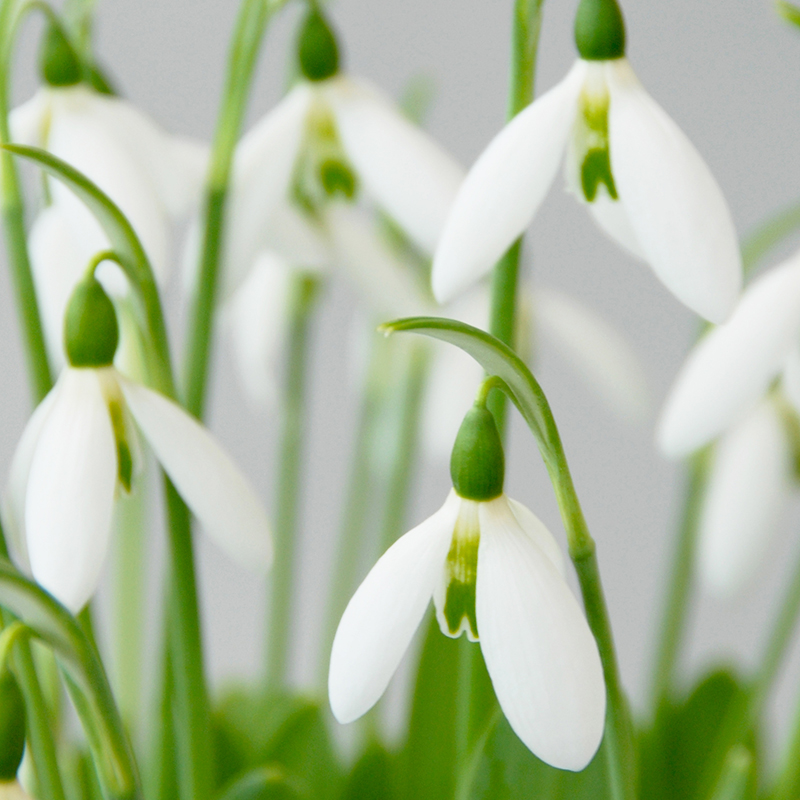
{"type": "Point", "coordinates": [641, 179]}
{"type": "Point", "coordinates": [495, 573]}
{"type": "Point", "coordinates": [81, 447]}
{"type": "Point", "coordinates": [740, 386]}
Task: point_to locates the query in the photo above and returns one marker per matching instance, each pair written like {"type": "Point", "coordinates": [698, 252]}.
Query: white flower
{"type": "Point", "coordinates": [80, 444]}
{"type": "Point", "coordinates": [494, 571]}
{"type": "Point", "coordinates": [733, 366]}
{"type": "Point", "coordinates": [727, 388]}
{"type": "Point", "coordinates": [748, 485]}
{"type": "Point", "coordinates": [400, 167]}
{"type": "Point", "coordinates": [11, 790]}
{"type": "Point", "coordinates": [645, 184]}
{"type": "Point", "coordinates": [153, 177]}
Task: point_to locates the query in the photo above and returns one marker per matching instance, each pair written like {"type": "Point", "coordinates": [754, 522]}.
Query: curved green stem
{"type": "Point", "coordinates": [679, 586]}
{"type": "Point", "coordinates": [301, 304]}
{"type": "Point", "coordinates": [245, 45]}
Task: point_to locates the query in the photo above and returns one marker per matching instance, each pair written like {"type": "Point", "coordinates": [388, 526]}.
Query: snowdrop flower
{"type": "Point", "coordinates": [330, 136]}
{"type": "Point", "coordinates": [81, 446]}
{"type": "Point", "coordinates": [727, 388]}
{"type": "Point", "coordinates": [153, 177]}
{"type": "Point", "coordinates": [496, 573]}
{"type": "Point", "coordinates": [642, 180]}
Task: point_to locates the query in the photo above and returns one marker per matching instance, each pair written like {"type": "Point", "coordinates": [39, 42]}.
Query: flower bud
{"type": "Point", "coordinates": [58, 61]}
{"type": "Point", "coordinates": [477, 465]}
{"type": "Point", "coordinates": [599, 30]}
{"type": "Point", "coordinates": [91, 332]}
{"type": "Point", "coordinates": [317, 49]}
{"type": "Point", "coordinates": [12, 726]}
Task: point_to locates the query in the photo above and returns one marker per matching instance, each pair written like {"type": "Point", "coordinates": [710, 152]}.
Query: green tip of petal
{"type": "Point", "coordinates": [600, 30]}
{"type": "Point", "coordinates": [91, 331]}
{"type": "Point", "coordinates": [338, 179]}
{"type": "Point", "coordinates": [58, 61]}
{"type": "Point", "coordinates": [477, 465]}
{"type": "Point", "coordinates": [12, 726]}
{"type": "Point", "coordinates": [317, 49]}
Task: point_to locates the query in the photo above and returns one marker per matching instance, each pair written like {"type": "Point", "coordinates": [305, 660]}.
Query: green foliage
{"type": "Point", "coordinates": [263, 783]}
{"type": "Point", "coordinates": [374, 776]}
{"type": "Point", "coordinates": [12, 725]}
{"type": "Point", "coordinates": [789, 11]}
{"type": "Point", "coordinates": [255, 730]}
{"type": "Point", "coordinates": [504, 769]}
{"type": "Point", "coordinates": [599, 30]}
{"type": "Point", "coordinates": [675, 751]}
{"type": "Point", "coordinates": [83, 674]}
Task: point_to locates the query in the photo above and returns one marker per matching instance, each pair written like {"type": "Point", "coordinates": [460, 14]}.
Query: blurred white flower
{"type": "Point", "coordinates": [727, 389]}
{"type": "Point", "coordinates": [154, 178]}
{"type": "Point", "coordinates": [80, 444]}
{"type": "Point", "coordinates": [643, 181]}
{"type": "Point", "coordinates": [494, 571]}
{"type": "Point", "coordinates": [11, 790]}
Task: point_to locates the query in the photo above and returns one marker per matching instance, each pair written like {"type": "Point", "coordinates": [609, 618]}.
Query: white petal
{"type": "Point", "coordinates": [505, 187]}
{"type": "Point", "coordinates": [257, 318]}
{"type": "Point", "coordinates": [58, 262]}
{"type": "Point", "coordinates": [790, 379]}
{"type": "Point", "coordinates": [412, 177]}
{"type": "Point", "coordinates": [733, 365]}
{"type": "Point", "coordinates": [215, 490]}
{"type": "Point", "coordinates": [383, 614]}
{"type": "Point", "coordinates": [611, 217]}
{"type": "Point", "coordinates": [598, 352]}
{"type": "Point", "coordinates": [535, 528]}
{"type": "Point", "coordinates": [385, 283]}
{"type": "Point", "coordinates": [70, 495]}
{"type": "Point", "coordinates": [262, 171]}
{"type": "Point", "coordinates": [674, 205]}
{"type": "Point", "coordinates": [28, 122]}
{"type": "Point", "coordinates": [539, 651]}
{"type": "Point", "coordinates": [17, 488]}
{"type": "Point", "coordinates": [80, 134]}
{"type": "Point", "coordinates": [297, 238]}
{"type": "Point", "coordinates": [746, 491]}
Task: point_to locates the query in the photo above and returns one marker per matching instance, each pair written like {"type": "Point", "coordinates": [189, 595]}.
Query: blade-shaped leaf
{"type": "Point", "coordinates": [374, 776]}
{"type": "Point", "coordinates": [504, 769]}
{"type": "Point", "coordinates": [264, 783]}
{"type": "Point", "coordinates": [85, 677]}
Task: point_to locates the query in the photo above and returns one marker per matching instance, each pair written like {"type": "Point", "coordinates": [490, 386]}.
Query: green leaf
{"type": "Point", "coordinates": [789, 11]}
{"type": "Point", "coordinates": [675, 750]}
{"type": "Point", "coordinates": [374, 776]}
{"type": "Point", "coordinates": [254, 729]}
{"type": "Point", "coordinates": [84, 675]}
{"type": "Point", "coordinates": [126, 245]}
{"type": "Point", "coordinates": [504, 769]}
{"type": "Point", "coordinates": [264, 783]}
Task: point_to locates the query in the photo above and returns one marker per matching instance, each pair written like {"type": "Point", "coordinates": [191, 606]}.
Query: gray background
{"type": "Point", "coordinates": [727, 72]}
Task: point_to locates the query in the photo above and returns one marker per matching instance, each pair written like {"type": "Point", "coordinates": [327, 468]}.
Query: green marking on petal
{"type": "Point", "coordinates": [124, 455]}
{"type": "Point", "coordinates": [461, 572]}
{"type": "Point", "coordinates": [591, 143]}
{"type": "Point", "coordinates": [338, 179]}
{"type": "Point", "coordinates": [596, 169]}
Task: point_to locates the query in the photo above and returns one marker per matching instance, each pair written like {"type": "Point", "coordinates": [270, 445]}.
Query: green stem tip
{"type": "Point", "coordinates": [600, 30]}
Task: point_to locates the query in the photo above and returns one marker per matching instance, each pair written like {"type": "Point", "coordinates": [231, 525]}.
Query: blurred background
{"type": "Point", "coordinates": [727, 72]}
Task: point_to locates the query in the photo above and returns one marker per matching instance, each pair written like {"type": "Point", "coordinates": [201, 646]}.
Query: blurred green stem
{"type": "Point", "coordinates": [303, 293]}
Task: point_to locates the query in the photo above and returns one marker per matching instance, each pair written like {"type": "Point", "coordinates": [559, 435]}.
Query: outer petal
{"type": "Point", "coordinates": [598, 352]}
{"type": "Point", "coordinates": [214, 489]}
{"type": "Point", "coordinates": [262, 171]}
{"type": "Point", "coordinates": [747, 488]}
{"type": "Point", "coordinates": [256, 315]}
{"type": "Point", "coordinates": [381, 618]}
{"type": "Point", "coordinates": [733, 365]}
{"type": "Point", "coordinates": [540, 653]}
{"type": "Point", "coordinates": [536, 530]}
{"type": "Point", "coordinates": [790, 380]}
{"type": "Point", "coordinates": [17, 488]}
{"type": "Point", "coordinates": [70, 497]}
{"type": "Point", "coordinates": [29, 121]}
{"type": "Point", "coordinates": [505, 187]}
{"type": "Point", "coordinates": [80, 134]}
{"type": "Point", "coordinates": [403, 168]}
{"type": "Point", "coordinates": [384, 281]}
{"type": "Point", "coordinates": [676, 209]}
